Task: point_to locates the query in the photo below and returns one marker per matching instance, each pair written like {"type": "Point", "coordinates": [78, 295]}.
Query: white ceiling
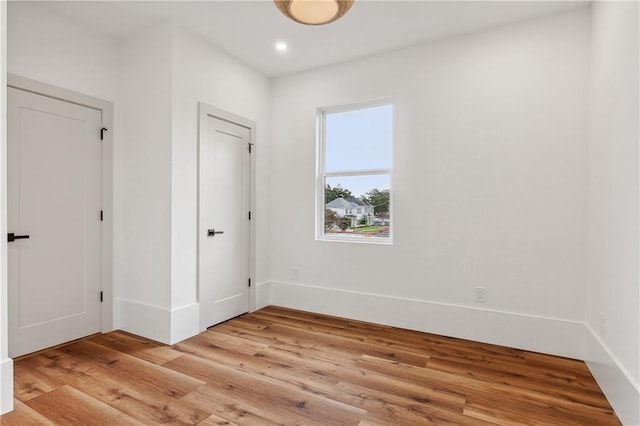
{"type": "Point", "coordinates": [248, 30]}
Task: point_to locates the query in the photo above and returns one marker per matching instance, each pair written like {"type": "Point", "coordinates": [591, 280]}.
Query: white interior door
{"type": "Point", "coordinates": [54, 196]}
{"type": "Point", "coordinates": [223, 255]}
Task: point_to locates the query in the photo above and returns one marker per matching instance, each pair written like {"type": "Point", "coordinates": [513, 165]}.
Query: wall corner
{"type": "Point", "coordinates": [6, 385]}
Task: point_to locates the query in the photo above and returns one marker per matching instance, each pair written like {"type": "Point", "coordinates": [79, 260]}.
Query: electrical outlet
{"type": "Point", "coordinates": [295, 274]}
{"type": "Point", "coordinates": [481, 294]}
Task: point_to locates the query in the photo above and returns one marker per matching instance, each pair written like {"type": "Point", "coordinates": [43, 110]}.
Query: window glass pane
{"type": "Point", "coordinates": [359, 140]}
{"type": "Point", "coordinates": [357, 206]}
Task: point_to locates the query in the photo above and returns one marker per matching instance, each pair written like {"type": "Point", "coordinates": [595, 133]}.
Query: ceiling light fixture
{"type": "Point", "coordinates": [281, 47]}
{"type": "Point", "coordinates": [314, 12]}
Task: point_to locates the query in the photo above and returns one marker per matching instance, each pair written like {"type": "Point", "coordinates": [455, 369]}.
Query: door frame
{"type": "Point", "coordinates": [106, 240]}
{"type": "Point", "coordinates": [204, 112]}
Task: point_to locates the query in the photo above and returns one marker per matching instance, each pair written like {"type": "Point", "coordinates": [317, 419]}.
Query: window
{"type": "Point", "coordinates": [355, 164]}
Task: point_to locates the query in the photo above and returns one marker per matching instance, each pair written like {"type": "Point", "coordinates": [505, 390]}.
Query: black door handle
{"type": "Point", "coordinates": [12, 237]}
{"type": "Point", "coordinates": [213, 232]}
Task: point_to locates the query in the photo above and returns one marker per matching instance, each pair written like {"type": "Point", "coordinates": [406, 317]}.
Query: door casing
{"type": "Point", "coordinates": [205, 111]}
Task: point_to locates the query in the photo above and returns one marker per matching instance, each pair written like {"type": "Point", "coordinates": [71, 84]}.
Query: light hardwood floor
{"type": "Point", "coordinates": [280, 366]}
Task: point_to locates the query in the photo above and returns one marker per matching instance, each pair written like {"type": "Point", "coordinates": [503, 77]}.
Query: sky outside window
{"type": "Point", "coordinates": [360, 140]}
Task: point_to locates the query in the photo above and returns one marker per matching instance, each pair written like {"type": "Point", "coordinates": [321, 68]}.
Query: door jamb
{"type": "Point", "coordinates": [106, 109]}
{"type": "Point", "coordinates": [205, 110]}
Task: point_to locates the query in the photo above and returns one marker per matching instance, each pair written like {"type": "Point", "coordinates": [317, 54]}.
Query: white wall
{"type": "Point", "coordinates": [142, 181]}
{"type": "Point", "coordinates": [52, 49]}
{"type": "Point", "coordinates": [490, 146]}
{"type": "Point", "coordinates": [6, 364]}
{"type": "Point", "coordinates": [203, 73]}
{"type": "Point", "coordinates": [164, 73]}
{"type": "Point", "coordinates": [613, 293]}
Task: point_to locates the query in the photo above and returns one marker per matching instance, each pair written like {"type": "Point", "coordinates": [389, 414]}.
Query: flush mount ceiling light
{"type": "Point", "coordinates": [314, 12]}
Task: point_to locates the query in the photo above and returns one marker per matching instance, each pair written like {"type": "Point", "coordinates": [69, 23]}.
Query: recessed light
{"type": "Point", "coordinates": [281, 47]}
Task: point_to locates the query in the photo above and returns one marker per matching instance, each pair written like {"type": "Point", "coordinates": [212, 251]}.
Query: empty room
{"type": "Point", "coordinates": [320, 212]}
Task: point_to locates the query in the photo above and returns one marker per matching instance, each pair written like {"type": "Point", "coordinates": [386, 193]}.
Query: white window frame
{"type": "Point", "coordinates": [321, 174]}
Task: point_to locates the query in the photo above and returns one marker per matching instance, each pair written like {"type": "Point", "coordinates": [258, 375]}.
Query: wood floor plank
{"type": "Point", "coordinates": [514, 409]}
{"type": "Point", "coordinates": [287, 400]}
{"type": "Point", "coordinates": [349, 347]}
{"type": "Point", "coordinates": [313, 326]}
{"type": "Point", "coordinates": [23, 415]}
{"type": "Point", "coordinates": [336, 347]}
{"type": "Point", "coordinates": [132, 371]}
{"type": "Point", "coordinates": [279, 366]}
{"type": "Point", "coordinates": [561, 388]}
{"type": "Point", "coordinates": [438, 346]}
{"type": "Point", "coordinates": [159, 356]}
{"type": "Point", "coordinates": [546, 406]}
{"type": "Point", "coordinates": [213, 339]}
{"type": "Point", "coordinates": [226, 407]}
{"type": "Point", "coordinates": [294, 373]}
{"type": "Point", "coordinates": [337, 373]}
{"type": "Point", "coordinates": [28, 384]}
{"type": "Point", "coordinates": [392, 409]}
{"type": "Point", "coordinates": [55, 406]}
{"type": "Point", "coordinates": [546, 373]}
{"type": "Point", "coordinates": [214, 420]}
{"type": "Point", "coordinates": [574, 367]}
{"type": "Point", "coordinates": [147, 403]}
{"type": "Point", "coordinates": [124, 342]}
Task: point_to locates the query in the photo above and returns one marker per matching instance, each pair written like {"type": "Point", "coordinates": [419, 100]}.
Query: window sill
{"type": "Point", "coordinates": [386, 241]}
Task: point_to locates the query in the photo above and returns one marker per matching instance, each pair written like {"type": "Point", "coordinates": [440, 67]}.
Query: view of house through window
{"type": "Point", "coordinates": [355, 172]}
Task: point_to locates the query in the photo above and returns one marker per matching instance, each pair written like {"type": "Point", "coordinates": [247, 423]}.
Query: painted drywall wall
{"type": "Point", "coordinates": [50, 48]}
{"type": "Point", "coordinates": [164, 73]}
{"type": "Point", "coordinates": [6, 364]}
{"type": "Point", "coordinates": [142, 175]}
{"type": "Point", "coordinates": [202, 73]}
{"type": "Point", "coordinates": [489, 184]}
{"type": "Point", "coordinates": [613, 291]}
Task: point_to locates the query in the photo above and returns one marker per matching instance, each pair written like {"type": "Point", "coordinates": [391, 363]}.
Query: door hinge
{"type": "Point", "coordinates": [250, 147]}
{"type": "Point", "coordinates": [101, 215]}
{"type": "Point", "coordinates": [249, 215]}
{"type": "Point", "coordinates": [249, 282]}
{"type": "Point", "coordinates": [101, 296]}
{"type": "Point", "coordinates": [104, 129]}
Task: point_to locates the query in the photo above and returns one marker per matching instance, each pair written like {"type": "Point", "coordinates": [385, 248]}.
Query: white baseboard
{"type": "Point", "coordinates": [159, 324]}
{"type": "Point", "coordinates": [6, 385]}
{"type": "Point", "coordinates": [616, 383]}
{"type": "Point", "coordinates": [534, 333]}
{"type": "Point", "coordinates": [263, 295]}
{"type": "Point", "coordinates": [185, 322]}
{"type": "Point", "coordinates": [144, 320]}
